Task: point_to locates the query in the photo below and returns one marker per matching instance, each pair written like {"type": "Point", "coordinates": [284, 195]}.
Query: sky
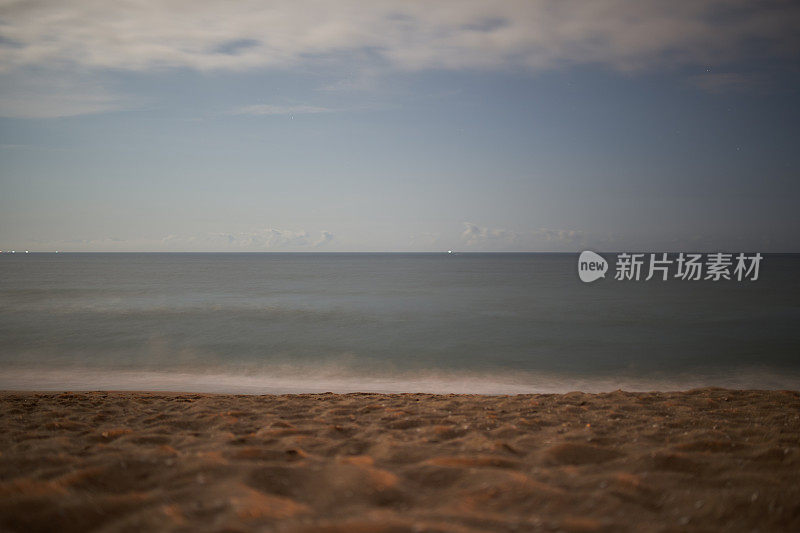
{"type": "Point", "coordinates": [394, 125]}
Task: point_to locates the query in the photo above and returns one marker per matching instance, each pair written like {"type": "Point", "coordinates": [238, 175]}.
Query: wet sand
{"type": "Point", "coordinates": [703, 460]}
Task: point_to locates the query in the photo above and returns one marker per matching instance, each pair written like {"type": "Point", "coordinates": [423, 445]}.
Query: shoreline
{"type": "Point", "coordinates": [702, 459]}
{"type": "Point", "coordinates": [284, 379]}
{"type": "Point", "coordinates": [269, 395]}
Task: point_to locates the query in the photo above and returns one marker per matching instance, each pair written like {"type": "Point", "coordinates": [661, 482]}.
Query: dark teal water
{"type": "Point", "coordinates": [465, 322]}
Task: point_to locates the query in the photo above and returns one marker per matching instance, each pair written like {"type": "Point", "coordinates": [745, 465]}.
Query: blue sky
{"type": "Point", "coordinates": [399, 126]}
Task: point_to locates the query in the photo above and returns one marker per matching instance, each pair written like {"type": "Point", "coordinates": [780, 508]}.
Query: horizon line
{"type": "Point", "coordinates": [443, 252]}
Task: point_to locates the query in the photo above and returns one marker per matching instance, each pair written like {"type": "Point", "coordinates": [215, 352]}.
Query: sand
{"type": "Point", "coordinates": [703, 460]}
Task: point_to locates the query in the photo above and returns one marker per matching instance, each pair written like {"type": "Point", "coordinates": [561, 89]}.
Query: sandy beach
{"type": "Point", "coordinates": [702, 460]}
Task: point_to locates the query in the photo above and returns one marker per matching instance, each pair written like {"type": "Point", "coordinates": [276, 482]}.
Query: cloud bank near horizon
{"type": "Point", "coordinates": [479, 237]}
{"type": "Point", "coordinates": [265, 240]}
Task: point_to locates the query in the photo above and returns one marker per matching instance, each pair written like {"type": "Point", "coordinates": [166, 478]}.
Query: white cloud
{"type": "Point", "coordinates": [266, 109]}
{"type": "Point", "coordinates": [476, 235]}
{"type": "Point", "coordinates": [267, 239]}
{"type": "Point", "coordinates": [559, 235]}
{"type": "Point", "coordinates": [540, 239]}
{"type": "Point", "coordinates": [39, 94]}
{"type": "Point", "coordinates": [68, 43]}
{"type": "Point", "coordinates": [324, 239]}
{"type": "Point", "coordinates": [206, 34]}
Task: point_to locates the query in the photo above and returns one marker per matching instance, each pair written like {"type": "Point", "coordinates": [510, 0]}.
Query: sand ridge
{"type": "Point", "coordinates": [701, 460]}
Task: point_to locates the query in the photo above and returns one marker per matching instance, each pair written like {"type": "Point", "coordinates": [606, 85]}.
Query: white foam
{"type": "Point", "coordinates": [82, 379]}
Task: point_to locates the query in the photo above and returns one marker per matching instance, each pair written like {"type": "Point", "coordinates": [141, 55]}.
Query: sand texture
{"type": "Point", "coordinates": [704, 460]}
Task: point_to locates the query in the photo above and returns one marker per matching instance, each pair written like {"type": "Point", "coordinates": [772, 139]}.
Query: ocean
{"type": "Point", "coordinates": [492, 323]}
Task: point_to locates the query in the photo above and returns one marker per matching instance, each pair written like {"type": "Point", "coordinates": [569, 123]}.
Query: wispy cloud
{"type": "Point", "coordinates": [266, 239]}
{"type": "Point", "coordinates": [267, 109]}
{"type": "Point", "coordinates": [411, 35]}
{"type": "Point", "coordinates": [477, 235]}
{"type": "Point", "coordinates": [729, 82]}
{"type": "Point", "coordinates": [480, 237]}
{"type": "Point", "coordinates": [35, 93]}
{"type": "Point", "coordinates": [324, 239]}
{"type": "Point", "coordinates": [85, 37]}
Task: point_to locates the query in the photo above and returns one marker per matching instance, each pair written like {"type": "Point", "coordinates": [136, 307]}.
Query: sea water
{"type": "Point", "coordinates": [389, 322]}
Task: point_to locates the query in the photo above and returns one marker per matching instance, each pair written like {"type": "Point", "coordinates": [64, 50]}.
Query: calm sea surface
{"type": "Point", "coordinates": [488, 323]}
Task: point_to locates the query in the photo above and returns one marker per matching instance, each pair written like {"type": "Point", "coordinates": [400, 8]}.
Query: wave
{"type": "Point", "coordinates": [286, 380]}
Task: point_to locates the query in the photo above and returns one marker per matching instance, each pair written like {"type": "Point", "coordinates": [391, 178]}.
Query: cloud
{"type": "Point", "coordinates": [559, 235]}
{"type": "Point", "coordinates": [475, 236]}
{"type": "Point", "coordinates": [454, 34]}
{"type": "Point", "coordinates": [267, 239]}
{"type": "Point", "coordinates": [324, 239]}
{"type": "Point", "coordinates": [266, 109]}
{"type": "Point", "coordinates": [38, 94]}
{"type": "Point", "coordinates": [729, 82]}
{"type": "Point", "coordinates": [356, 81]}
{"type": "Point", "coordinates": [52, 53]}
